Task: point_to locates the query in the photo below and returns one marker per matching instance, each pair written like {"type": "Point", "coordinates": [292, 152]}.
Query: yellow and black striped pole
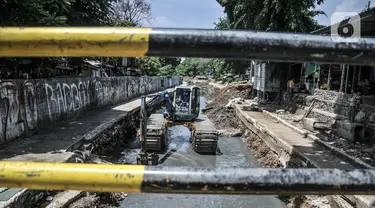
{"type": "Point", "coordinates": [193, 180]}
{"type": "Point", "coordinates": [209, 43]}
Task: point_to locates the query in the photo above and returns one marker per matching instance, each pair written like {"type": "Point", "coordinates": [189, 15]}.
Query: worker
{"type": "Point", "coordinates": [186, 97]}
{"type": "Point", "coordinates": [308, 80]}
{"type": "Point", "coordinates": [290, 86]}
{"type": "Point", "coordinates": [324, 86]}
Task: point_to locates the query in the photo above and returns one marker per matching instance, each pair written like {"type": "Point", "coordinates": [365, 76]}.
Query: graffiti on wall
{"type": "Point", "coordinates": [62, 97]}
{"type": "Point", "coordinates": [11, 123]}
{"type": "Point", "coordinates": [24, 105]}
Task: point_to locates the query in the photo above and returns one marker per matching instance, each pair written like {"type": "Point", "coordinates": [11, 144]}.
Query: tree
{"type": "Point", "coordinates": [167, 70]}
{"type": "Point", "coordinates": [134, 11]}
{"type": "Point", "coordinates": [271, 15]}
{"type": "Point", "coordinates": [196, 66]}
{"type": "Point", "coordinates": [149, 65]}
{"type": "Point", "coordinates": [267, 15]}
{"type": "Point", "coordinates": [174, 62]}
{"type": "Point", "coordinates": [34, 12]}
{"type": "Point", "coordinates": [223, 23]}
{"type": "Point", "coordinates": [52, 13]}
{"type": "Point", "coordinates": [89, 12]}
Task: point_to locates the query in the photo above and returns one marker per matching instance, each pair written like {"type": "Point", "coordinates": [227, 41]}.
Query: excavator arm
{"type": "Point", "coordinates": [145, 158]}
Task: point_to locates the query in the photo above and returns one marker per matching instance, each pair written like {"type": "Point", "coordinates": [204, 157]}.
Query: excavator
{"type": "Point", "coordinates": [183, 110]}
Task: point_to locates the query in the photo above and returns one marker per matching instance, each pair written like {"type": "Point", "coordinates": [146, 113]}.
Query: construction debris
{"type": "Point", "coordinates": [230, 132]}
{"type": "Point", "coordinates": [224, 116]}
{"type": "Point", "coordinates": [234, 101]}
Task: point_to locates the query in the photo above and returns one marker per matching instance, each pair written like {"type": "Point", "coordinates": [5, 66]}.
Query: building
{"type": "Point", "coordinates": [345, 78]}
{"type": "Point", "coordinates": [266, 79]}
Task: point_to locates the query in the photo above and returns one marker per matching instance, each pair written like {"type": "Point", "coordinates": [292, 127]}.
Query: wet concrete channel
{"type": "Point", "coordinates": [231, 153]}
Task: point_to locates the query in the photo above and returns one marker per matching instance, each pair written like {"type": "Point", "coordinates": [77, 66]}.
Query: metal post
{"type": "Point", "coordinates": [342, 66]}
{"type": "Point", "coordinates": [353, 77]}
{"type": "Point", "coordinates": [143, 123]}
{"type": "Point", "coordinates": [347, 78]}
{"type": "Point", "coordinates": [318, 84]}
{"type": "Point", "coordinates": [329, 76]}
{"type": "Point", "coordinates": [302, 78]}
{"type": "Point", "coordinates": [313, 86]}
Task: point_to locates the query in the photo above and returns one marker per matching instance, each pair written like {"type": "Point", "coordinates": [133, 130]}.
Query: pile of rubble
{"type": "Point", "coordinates": [224, 115]}
{"type": "Point", "coordinates": [327, 112]}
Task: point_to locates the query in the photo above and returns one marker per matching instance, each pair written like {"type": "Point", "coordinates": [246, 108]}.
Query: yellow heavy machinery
{"type": "Point", "coordinates": [183, 110]}
{"type": "Point", "coordinates": [138, 42]}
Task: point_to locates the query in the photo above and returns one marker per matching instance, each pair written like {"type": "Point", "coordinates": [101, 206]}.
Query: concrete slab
{"type": "Point", "coordinates": [63, 198]}
{"type": "Point", "coordinates": [9, 193]}
{"type": "Point", "coordinates": [296, 142]}
{"type": "Point", "coordinates": [309, 123]}
{"type": "Point", "coordinates": [353, 132]}
{"type": "Point", "coordinates": [293, 143]}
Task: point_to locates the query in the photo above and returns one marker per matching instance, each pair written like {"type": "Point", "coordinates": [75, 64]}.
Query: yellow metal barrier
{"type": "Point", "coordinates": [138, 42]}
{"type": "Point", "coordinates": [52, 42]}
{"type": "Point", "coordinates": [133, 42]}
{"type": "Point", "coordinates": [64, 176]}
{"type": "Point", "coordinates": [164, 179]}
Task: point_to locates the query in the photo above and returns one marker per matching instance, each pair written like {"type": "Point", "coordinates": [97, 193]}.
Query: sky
{"type": "Point", "coordinates": [203, 13]}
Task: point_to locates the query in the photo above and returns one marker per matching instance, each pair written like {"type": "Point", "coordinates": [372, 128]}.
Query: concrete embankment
{"type": "Point", "coordinates": [94, 137]}
{"type": "Point", "coordinates": [276, 144]}
{"type": "Point", "coordinates": [28, 106]}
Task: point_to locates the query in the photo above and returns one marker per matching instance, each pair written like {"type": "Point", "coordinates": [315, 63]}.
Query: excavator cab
{"type": "Point", "coordinates": [186, 103]}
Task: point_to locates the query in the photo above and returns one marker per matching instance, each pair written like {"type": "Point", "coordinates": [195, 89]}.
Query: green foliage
{"type": "Point", "coordinates": [149, 66]}
{"type": "Point", "coordinates": [115, 22]}
{"type": "Point", "coordinates": [69, 13]}
{"type": "Point", "coordinates": [167, 70]}
{"type": "Point", "coordinates": [267, 15]}
{"type": "Point", "coordinates": [173, 61]}
{"type": "Point", "coordinates": [223, 23]}
{"type": "Point", "coordinates": [271, 15]}
{"type": "Point", "coordinates": [190, 67]}
{"type": "Point", "coordinates": [53, 12]}
{"type": "Point", "coordinates": [158, 66]}
{"type": "Point", "coordinates": [200, 66]}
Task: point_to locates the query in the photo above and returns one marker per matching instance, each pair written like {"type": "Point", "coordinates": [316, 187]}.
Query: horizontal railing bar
{"type": "Point", "coordinates": [205, 43]}
{"type": "Point", "coordinates": [191, 180]}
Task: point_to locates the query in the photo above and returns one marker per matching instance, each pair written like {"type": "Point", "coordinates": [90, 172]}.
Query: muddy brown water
{"type": "Point", "coordinates": [231, 153]}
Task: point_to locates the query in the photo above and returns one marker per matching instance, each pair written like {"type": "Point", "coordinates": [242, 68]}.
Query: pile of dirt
{"type": "Point", "coordinates": [260, 151]}
{"type": "Point", "coordinates": [217, 99]}
{"type": "Point", "coordinates": [99, 200]}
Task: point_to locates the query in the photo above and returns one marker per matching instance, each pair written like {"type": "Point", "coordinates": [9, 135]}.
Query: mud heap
{"type": "Point", "coordinates": [223, 117]}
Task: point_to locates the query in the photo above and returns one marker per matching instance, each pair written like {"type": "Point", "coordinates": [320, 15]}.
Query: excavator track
{"type": "Point", "coordinates": [156, 140]}
{"type": "Point", "coordinates": [205, 136]}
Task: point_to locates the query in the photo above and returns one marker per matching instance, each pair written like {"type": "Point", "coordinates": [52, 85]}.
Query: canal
{"type": "Point", "coordinates": [231, 153]}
